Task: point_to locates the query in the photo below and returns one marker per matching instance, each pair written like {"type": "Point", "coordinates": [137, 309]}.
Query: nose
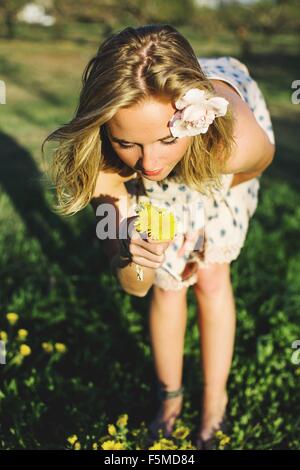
{"type": "Point", "coordinates": [148, 162]}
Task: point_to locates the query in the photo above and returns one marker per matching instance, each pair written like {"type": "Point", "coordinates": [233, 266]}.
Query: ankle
{"type": "Point", "coordinates": [214, 396]}
{"type": "Point", "coordinates": [214, 407]}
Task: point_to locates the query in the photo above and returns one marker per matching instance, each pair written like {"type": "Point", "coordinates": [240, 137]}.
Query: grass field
{"type": "Point", "coordinates": [53, 276]}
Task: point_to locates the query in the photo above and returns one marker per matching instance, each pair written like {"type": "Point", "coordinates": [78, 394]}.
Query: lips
{"type": "Point", "coordinates": [152, 173]}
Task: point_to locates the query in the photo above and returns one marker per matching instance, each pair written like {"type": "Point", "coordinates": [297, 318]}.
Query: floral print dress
{"type": "Point", "coordinates": [222, 221]}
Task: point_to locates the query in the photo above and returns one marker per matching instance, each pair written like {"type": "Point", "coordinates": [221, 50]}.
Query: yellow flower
{"type": "Point", "coordinates": [25, 350]}
{"type": "Point", "coordinates": [77, 445]}
{"type": "Point", "coordinates": [187, 446]}
{"type": "Point", "coordinates": [163, 444]}
{"type": "Point", "coordinates": [3, 335]}
{"type": "Point", "coordinates": [60, 347]}
{"type": "Point", "coordinates": [12, 318]}
{"type": "Point", "coordinates": [225, 440]}
{"type": "Point", "coordinates": [95, 446]}
{"type": "Point", "coordinates": [123, 420]}
{"type": "Point", "coordinates": [219, 434]}
{"type": "Point", "coordinates": [72, 439]}
{"type": "Point", "coordinates": [181, 432]}
{"type": "Point", "coordinates": [112, 430]}
{"type": "Point", "coordinates": [22, 334]}
{"type": "Point", "coordinates": [112, 445]}
{"type": "Point", "coordinates": [47, 347]}
{"type": "Point", "coordinates": [158, 222]}
{"type": "Point", "coordinates": [156, 446]}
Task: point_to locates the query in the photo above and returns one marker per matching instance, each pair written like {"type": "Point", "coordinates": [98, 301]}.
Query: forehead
{"type": "Point", "coordinates": [145, 121]}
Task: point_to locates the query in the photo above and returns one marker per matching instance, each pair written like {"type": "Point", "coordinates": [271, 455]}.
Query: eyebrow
{"type": "Point", "coordinates": [116, 139]}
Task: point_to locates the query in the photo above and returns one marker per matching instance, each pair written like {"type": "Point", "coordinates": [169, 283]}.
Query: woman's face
{"type": "Point", "coordinates": [142, 139]}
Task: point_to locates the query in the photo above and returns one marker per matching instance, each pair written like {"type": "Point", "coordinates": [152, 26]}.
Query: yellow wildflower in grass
{"type": "Point", "coordinates": [112, 430]}
{"type": "Point", "coordinates": [77, 445]}
{"type": "Point", "coordinates": [187, 446]}
{"type": "Point", "coordinates": [156, 446]}
{"type": "Point", "coordinates": [60, 347]}
{"type": "Point", "coordinates": [122, 421]}
{"type": "Point", "coordinates": [25, 350]}
{"type": "Point", "coordinates": [95, 446]}
{"type": "Point", "coordinates": [47, 347]}
{"type": "Point", "coordinates": [12, 317]}
{"type": "Point", "coordinates": [181, 432]}
{"type": "Point", "coordinates": [112, 445]}
{"type": "Point", "coordinates": [72, 439]}
{"type": "Point", "coordinates": [163, 444]}
{"type": "Point", "coordinates": [3, 335]}
{"type": "Point", "coordinates": [22, 334]}
{"type": "Point", "coordinates": [223, 439]}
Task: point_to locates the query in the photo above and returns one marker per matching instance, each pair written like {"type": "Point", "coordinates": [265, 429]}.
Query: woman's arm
{"type": "Point", "coordinates": [253, 151]}
{"type": "Point", "coordinates": [239, 178]}
{"type": "Point", "coordinates": [110, 190]}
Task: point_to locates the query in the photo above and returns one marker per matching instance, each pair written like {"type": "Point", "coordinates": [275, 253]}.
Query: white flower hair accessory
{"type": "Point", "coordinates": [196, 113]}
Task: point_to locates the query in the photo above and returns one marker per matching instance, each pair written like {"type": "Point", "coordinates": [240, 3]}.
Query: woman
{"type": "Point", "coordinates": [192, 133]}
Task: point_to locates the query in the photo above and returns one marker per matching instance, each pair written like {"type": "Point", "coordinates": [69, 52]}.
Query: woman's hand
{"type": "Point", "coordinates": [192, 242]}
{"type": "Point", "coordinates": [142, 250]}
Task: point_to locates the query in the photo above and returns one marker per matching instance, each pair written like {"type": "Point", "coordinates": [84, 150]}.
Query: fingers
{"type": "Point", "coordinates": [155, 248]}
{"type": "Point", "coordinates": [138, 251]}
{"type": "Point", "coordinates": [189, 242]}
{"type": "Point", "coordinates": [145, 262]}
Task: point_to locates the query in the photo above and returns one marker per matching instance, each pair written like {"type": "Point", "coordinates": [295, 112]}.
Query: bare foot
{"type": "Point", "coordinates": [212, 417]}
{"type": "Point", "coordinates": [165, 419]}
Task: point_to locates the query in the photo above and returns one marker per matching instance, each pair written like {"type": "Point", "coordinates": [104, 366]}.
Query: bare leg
{"type": "Point", "coordinates": [216, 322]}
{"type": "Point", "coordinates": [167, 324]}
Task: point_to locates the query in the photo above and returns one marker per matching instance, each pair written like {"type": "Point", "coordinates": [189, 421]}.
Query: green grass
{"type": "Point", "coordinates": [53, 274]}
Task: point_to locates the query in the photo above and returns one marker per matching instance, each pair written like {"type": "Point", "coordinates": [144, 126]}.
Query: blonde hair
{"type": "Point", "coordinates": [131, 65]}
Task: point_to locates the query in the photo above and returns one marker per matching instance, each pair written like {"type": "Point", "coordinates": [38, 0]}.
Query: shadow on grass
{"type": "Point", "coordinates": [96, 329]}
{"type": "Point", "coordinates": [21, 181]}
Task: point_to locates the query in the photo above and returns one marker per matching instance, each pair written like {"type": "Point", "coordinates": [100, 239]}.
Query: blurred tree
{"type": "Point", "coordinates": [273, 17]}
{"type": "Point", "coordinates": [238, 19]}
{"type": "Point", "coordinates": [114, 12]}
{"type": "Point", "coordinates": [268, 17]}
{"type": "Point", "coordinates": [8, 12]}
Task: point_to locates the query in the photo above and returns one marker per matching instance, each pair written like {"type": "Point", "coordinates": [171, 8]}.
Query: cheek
{"type": "Point", "coordinates": [127, 156]}
{"type": "Point", "coordinates": [175, 153]}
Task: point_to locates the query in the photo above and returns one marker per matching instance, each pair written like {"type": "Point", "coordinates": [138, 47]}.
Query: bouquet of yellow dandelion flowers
{"type": "Point", "coordinates": [158, 223]}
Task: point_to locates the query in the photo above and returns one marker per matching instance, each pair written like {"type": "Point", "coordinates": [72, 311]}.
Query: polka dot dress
{"type": "Point", "coordinates": [221, 221]}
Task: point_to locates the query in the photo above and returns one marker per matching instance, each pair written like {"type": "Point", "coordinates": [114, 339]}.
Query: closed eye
{"type": "Point", "coordinates": [128, 146]}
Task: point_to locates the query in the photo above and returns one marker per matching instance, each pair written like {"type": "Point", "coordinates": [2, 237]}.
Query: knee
{"type": "Point", "coordinates": [160, 293]}
{"type": "Point", "coordinates": [212, 280]}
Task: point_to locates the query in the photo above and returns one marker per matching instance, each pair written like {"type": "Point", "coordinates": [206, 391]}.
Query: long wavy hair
{"type": "Point", "coordinates": [131, 65]}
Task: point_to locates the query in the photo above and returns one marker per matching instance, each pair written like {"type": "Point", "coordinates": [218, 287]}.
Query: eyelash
{"type": "Point", "coordinates": [164, 143]}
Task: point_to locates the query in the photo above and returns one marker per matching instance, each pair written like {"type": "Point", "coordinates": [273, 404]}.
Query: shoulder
{"type": "Point", "coordinates": [108, 181]}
